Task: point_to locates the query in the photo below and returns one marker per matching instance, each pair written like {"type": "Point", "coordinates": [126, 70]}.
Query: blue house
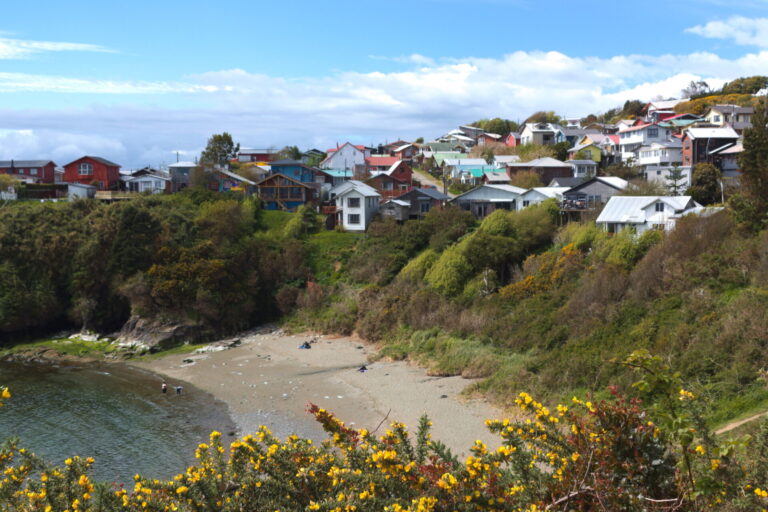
{"type": "Point", "coordinates": [294, 169]}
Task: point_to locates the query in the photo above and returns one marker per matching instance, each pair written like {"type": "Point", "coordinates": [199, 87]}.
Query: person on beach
{"type": "Point", "coordinates": [178, 390]}
{"type": "Point", "coordinates": [164, 387]}
{"type": "Point", "coordinates": [305, 345]}
{"type": "Point", "coordinates": [363, 369]}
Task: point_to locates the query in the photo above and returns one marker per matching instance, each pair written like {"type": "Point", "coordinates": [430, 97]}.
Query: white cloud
{"type": "Point", "coordinates": [421, 99]}
{"type": "Point", "coordinates": [23, 49]}
{"type": "Point", "coordinates": [743, 31]}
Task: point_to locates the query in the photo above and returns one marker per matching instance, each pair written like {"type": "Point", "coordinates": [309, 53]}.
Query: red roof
{"type": "Point", "coordinates": [380, 161]}
{"type": "Point", "coordinates": [333, 150]}
{"type": "Point", "coordinates": [614, 138]}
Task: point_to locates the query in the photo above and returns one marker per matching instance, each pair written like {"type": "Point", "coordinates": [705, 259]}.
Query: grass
{"type": "Point", "coordinates": [70, 347]}
{"type": "Point", "coordinates": [329, 251]}
{"type": "Point", "coordinates": [275, 220]}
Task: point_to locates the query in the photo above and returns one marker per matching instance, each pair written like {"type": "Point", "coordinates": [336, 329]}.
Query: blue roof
{"type": "Point", "coordinates": [338, 173]}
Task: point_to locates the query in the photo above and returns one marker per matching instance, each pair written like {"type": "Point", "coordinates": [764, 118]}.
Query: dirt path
{"type": "Point", "coordinates": [736, 424]}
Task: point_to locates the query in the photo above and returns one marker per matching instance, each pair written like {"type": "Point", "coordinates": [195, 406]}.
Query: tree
{"type": "Point", "coordinates": [290, 153]}
{"type": "Point", "coordinates": [747, 85]}
{"type": "Point", "coordinates": [561, 150]}
{"type": "Point", "coordinates": [419, 140]}
{"type": "Point", "coordinates": [543, 117]}
{"type": "Point", "coordinates": [220, 150]}
{"type": "Point", "coordinates": [675, 179]}
{"type": "Point", "coordinates": [695, 88]}
{"type": "Point", "coordinates": [526, 179]}
{"type": "Point", "coordinates": [7, 182]}
{"type": "Point", "coordinates": [705, 183]}
{"type": "Point", "coordinates": [641, 187]}
{"type": "Point", "coordinates": [496, 125]}
{"type": "Point", "coordinates": [754, 168]}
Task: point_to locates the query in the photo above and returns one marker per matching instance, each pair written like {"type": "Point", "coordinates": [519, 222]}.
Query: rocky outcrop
{"type": "Point", "coordinates": [153, 335]}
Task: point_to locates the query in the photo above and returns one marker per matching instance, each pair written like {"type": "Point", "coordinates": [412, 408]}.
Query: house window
{"type": "Point", "coordinates": [387, 185]}
{"type": "Point", "coordinates": [86, 169]}
{"type": "Point", "coordinates": [353, 218]}
{"type": "Point", "coordinates": [526, 204]}
{"type": "Point", "coordinates": [659, 207]}
{"type": "Point", "coordinates": [716, 119]}
{"type": "Point", "coordinates": [33, 171]}
{"type": "Point", "coordinates": [653, 132]}
{"type": "Point", "coordinates": [424, 207]}
{"type": "Point", "coordinates": [353, 202]}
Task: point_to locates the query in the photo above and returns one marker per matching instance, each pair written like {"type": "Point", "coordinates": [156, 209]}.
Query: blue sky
{"type": "Point", "coordinates": [137, 81]}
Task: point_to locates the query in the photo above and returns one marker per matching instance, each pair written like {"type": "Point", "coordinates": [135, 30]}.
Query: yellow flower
{"type": "Point", "coordinates": [5, 394]}
{"type": "Point", "coordinates": [182, 489]}
{"type": "Point", "coordinates": [700, 449]}
{"type": "Point", "coordinates": [686, 395]}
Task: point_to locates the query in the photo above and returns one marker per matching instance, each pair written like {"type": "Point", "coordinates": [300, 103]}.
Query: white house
{"type": "Point", "coordinates": [539, 195]}
{"type": "Point", "coordinates": [658, 154]}
{"type": "Point", "coordinates": [148, 180]}
{"type": "Point", "coordinates": [346, 157]}
{"type": "Point", "coordinates": [583, 168]}
{"type": "Point", "coordinates": [356, 204]}
{"type": "Point", "coordinates": [543, 134]}
{"type": "Point", "coordinates": [633, 138]}
{"type": "Point", "coordinates": [485, 199]}
{"type": "Point", "coordinates": [646, 212]}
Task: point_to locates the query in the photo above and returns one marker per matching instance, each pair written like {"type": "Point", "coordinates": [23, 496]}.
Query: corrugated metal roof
{"type": "Point", "coordinates": [25, 163]}
{"type": "Point", "coordinates": [712, 133]}
{"type": "Point", "coordinates": [357, 186]}
{"type": "Point", "coordinates": [631, 209]}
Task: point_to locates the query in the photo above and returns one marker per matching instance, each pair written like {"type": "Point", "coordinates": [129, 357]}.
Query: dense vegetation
{"type": "Point", "coordinates": [203, 258]}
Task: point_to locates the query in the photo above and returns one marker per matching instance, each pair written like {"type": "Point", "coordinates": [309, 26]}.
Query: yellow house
{"type": "Point", "coordinates": [585, 151]}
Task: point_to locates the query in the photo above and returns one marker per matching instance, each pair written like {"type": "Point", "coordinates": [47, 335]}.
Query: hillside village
{"type": "Point", "coordinates": [583, 164]}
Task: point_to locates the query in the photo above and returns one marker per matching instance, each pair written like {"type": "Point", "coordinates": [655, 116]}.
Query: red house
{"type": "Point", "coordinates": [30, 171]}
{"type": "Point", "coordinates": [512, 140]}
{"type": "Point", "coordinates": [93, 170]}
{"type": "Point", "coordinates": [388, 187]}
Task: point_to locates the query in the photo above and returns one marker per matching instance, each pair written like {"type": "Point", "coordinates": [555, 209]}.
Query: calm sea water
{"type": "Point", "coordinates": [113, 413]}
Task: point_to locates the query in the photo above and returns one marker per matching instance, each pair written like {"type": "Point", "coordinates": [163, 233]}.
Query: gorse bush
{"type": "Point", "coordinates": [612, 454]}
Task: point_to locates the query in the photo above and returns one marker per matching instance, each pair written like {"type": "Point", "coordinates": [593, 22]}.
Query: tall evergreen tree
{"type": "Point", "coordinates": [754, 168]}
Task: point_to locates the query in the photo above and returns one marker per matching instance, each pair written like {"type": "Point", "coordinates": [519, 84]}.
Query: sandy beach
{"type": "Point", "coordinates": [267, 380]}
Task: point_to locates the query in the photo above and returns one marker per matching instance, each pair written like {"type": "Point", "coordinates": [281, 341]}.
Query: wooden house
{"type": "Point", "coordinates": [93, 170]}
{"type": "Point", "coordinates": [388, 186]}
{"type": "Point", "coordinates": [279, 192]}
{"type": "Point", "coordinates": [414, 204]}
{"type": "Point", "coordinates": [485, 199]}
{"type": "Point", "coordinates": [30, 171]}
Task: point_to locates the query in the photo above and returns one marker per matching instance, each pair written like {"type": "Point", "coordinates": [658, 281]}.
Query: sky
{"type": "Point", "coordinates": [144, 83]}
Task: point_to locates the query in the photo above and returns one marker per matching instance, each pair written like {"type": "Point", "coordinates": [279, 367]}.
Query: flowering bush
{"type": "Point", "coordinates": [607, 455]}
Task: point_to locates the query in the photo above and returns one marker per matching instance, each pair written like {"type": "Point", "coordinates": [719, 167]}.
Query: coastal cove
{"type": "Point", "coordinates": [268, 381]}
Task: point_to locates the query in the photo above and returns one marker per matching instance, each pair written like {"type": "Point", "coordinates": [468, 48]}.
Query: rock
{"type": "Point", "coordinates": [143, 334]}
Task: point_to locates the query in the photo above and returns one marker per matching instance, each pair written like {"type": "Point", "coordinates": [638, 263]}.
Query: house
{"type": "Point", "coordinates": [429, 149]}
{"type": "Point", "coordinates": [488, 138]}
{"type": "Point", "coordinates": [80, 191]}
{"type": "Point", "coordinates": [223, 180]}
{"type": "Point", "coordinates": [148, 180]}
{"type": "Point", "coordinates": [583, 168]}
{"type": "Point", "coordinates": [347, 157]}
{"type": "Point", "coordinates": [388, 186]}
{"type": "Point", "coordinates": [589, 149]}
{"type": "Point", "coordinates": [680, 122]}
{"type": "Point", "coordinates": [440, 158]}
{"type": "Point", "coordinates": [30, 171]}
{"type": "Point", "coordinates": [406, 151]}
{"type": "Point", "coordinates": [512, 139]}
{"type": "Point", "coordinates": [379, 163]}
{"type": "Point", "coordinates": [93, 170]}
{"type": "Point", "coordinates": [661, 154]}
{"type": "Point", "coordinates": [727, 159]}
{"type": "Point", "coordinates": [356, 204]}
{"type": "Point", "coordinates": [453, 167]}
{"type": "Point", "coordinates": [542, 134]}
{"type": "Point", "coordinates": [592, 193]}
{"type": "Point", "coordinates": [485, 199]}
{"type": "Point", "coordinates": [333, 177]}
{"type": "Point", "coordinates": [573, 134]}
{"type": "Point", "coordinates": [737, 117]}
{"type": "Point", "coordinates": [496, 177]}
{"type": "Point", "coordinates": [539, 195]}
{"type": "Point", "coordinates": [295, 169]}
{"type": "Point", "coordinates": [700, 144]}
{"type": "Point", "coordinates": [642, 213]}
{"type": "Point", "coordinates": [458, 137]}
{"type": "Point", "coordinates": [400, 170]}
{"type": "Point", "coordinates": [501, 161]}
{"type": "Point", "coordinates": [659, 110]}
{"type": "Point", "coordinates": [547, 168]}
{"type": "Point", "coordinates": [568, 182]}
{"type": "Point", "coordinates": [256, 155]}
{"type": "Point", "coordinates": [280, 192]}
{"type": "Point", "coordinates": [633, 138]}
{"type": "Point", "coordinates": [414, 204]}
{"type": "Point", "coordinates": [181, 174]}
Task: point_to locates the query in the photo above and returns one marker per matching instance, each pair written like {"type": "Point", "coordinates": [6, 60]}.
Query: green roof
{"type": "Point", "coordinates": [440, 157]}
{"type": "Point", "coordinates": [477, 173]}
{"type": "Point", "coordinates": [338, 173]}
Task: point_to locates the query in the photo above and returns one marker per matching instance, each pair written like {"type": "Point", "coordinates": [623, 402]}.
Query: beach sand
{"type": "Point", "coordinates": [268, 381]}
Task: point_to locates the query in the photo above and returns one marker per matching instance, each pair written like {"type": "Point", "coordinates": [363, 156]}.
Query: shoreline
{"type": "Point", "coordinates": [268, 381]}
